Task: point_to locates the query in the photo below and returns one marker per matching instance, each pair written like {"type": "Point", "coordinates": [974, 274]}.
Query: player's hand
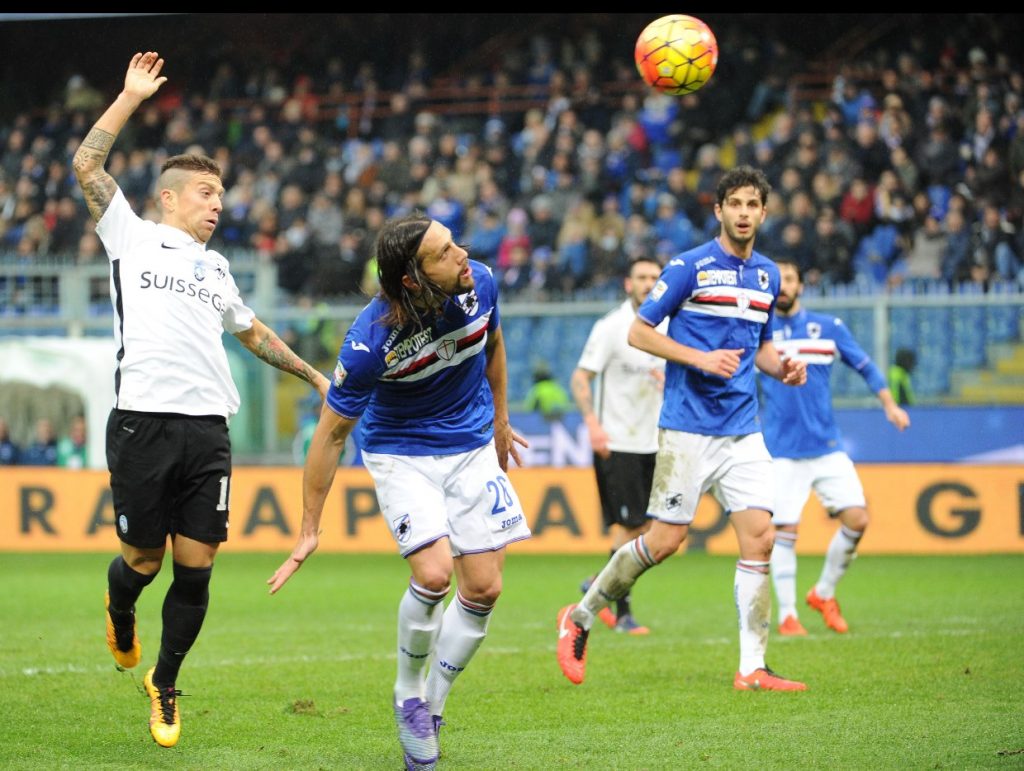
{"type": "Point", "coordinates": [898, 417]}
{"type": "Point", "coordinates": [505, 441]}
{"type": "Point", "coordinates": [143, 77]}
{"type": "Point", "coordinates": [598, 437]}
{"type": "Point", "coordinates": [722, 362]}
{"type": "Point", "coordinates": [794, 372]}
{"type": "Point", "coordinates": [302, 551]}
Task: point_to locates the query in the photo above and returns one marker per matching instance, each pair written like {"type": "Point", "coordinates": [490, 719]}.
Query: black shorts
{"type": "Point", "coordinates": [624, 484]}
{"type": "Point", "coordinates": [169, 474]}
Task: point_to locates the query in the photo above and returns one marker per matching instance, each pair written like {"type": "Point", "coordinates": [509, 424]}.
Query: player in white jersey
{"type": "Point", "coordinates": [719, 299]}
{"type": "Point", "coordinates": [622, 422]}
{"type": "Point", "coordinates": [168, 449]}
{"type": "Point", "coordinates": [801, 433]}
{"type": "Point", "coordinates": [422, 372]}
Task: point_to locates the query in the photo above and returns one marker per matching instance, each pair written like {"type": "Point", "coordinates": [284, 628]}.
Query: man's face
{"type": "Point", "coordinates": [789, 288]}
{"type": "Point", "coordinates": [445, 262]}
{"type": "Point", "coordinates": [741, 214]}
{"type": "Point", "coordinates": [641, 280]}
{"type": "Point", "coordinates": [196, 207]}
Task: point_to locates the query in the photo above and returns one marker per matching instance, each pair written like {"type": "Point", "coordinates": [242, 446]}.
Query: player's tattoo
{"type": "Point", "coordinates": [98, 187]}
{"type": "Point", "coordinates": [274, 352]}
{"type": "Point", "coordinates": [98, 139]}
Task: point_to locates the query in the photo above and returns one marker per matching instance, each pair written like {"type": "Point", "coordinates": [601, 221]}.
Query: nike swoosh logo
{"type": "Point", "coordinates": [359, 346]}
{"type": "Point", "coordinates": [165, 246]}
{"type": "Point", "coordinates": [563, 632]}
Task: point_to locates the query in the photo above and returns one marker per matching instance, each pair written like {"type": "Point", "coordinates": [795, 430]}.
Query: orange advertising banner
{"type": "Point", "coordinates": [915, 509]}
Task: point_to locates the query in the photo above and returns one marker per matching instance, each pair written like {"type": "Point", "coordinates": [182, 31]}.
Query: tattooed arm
{"type": "Point", "coordinates": [265, 344]}
{"type": "Point", "coordinates": [140, 82]}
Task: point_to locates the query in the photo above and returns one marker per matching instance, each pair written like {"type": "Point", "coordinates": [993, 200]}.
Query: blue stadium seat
{"type": "Point", "coordinates": [968, 337]}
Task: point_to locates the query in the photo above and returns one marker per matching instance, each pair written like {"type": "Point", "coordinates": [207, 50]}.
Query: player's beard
{"type": "Point", "coordinates": [785, 303]}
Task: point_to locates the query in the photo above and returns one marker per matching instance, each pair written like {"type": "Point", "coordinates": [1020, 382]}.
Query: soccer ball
{"type": "Point", "coordinates": [676, 54]}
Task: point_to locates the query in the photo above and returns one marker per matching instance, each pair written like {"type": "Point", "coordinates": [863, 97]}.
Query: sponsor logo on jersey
{"type": "Point", "coordinates": [677, 263]}
{"type": "Point", "coordinates": [762, 279]}
{"type": "Point", "coordinates": [716, 277]}
{"type": "Point", "coordinates": [339, 375]}
{"type": "Point", "coordinates": [359, 346]}
{"type": "Point", "coordinates": [391, 339]}
{"type": "Point", "coordinates": [414, 343]}
{"type": "Point", "coordinates": [673, 502]}
{"type": "Point", "coordinates": [390, 359]}
{"type": "Point", "coordinates": [402, 528]}
{"type": "Point", "coordinates": [150, 280]}
{"type": "Point", "coordinates": [199, 271]}
{"type": "Point", "coordinates": [703, 261]}
{"type": "Point", "coordinates": [659, 289]}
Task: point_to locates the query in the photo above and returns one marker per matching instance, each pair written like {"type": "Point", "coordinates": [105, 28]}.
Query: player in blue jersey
{"type": "Point", "coordinates": [719, 299]}
{"type": "Point", "coordinates": [422, 372]}
{"type": "Point", "coordinates": [802, 436]}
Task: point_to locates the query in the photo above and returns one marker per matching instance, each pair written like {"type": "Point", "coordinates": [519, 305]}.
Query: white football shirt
{"type": "Point", "coordinates": [172, 299]}
{"type": "Point", "coordinates": [627, 391]}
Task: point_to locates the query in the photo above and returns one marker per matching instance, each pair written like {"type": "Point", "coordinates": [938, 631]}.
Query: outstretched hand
{"type": "Point", "coordinates": [794, 372]}
{"type": "Point", "coordinates": [505, 441]}
{"type": "Point", "coordinates": [302, 551]}
{"type": "Point", "coordinates": [143, 78]}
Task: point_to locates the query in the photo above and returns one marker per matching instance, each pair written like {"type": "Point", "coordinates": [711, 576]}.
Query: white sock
{"type": "Point", "coordinates": [841, 549]}
{"type": "Point", "coordinates": [784, 573]}
{"type": "Point", "coordinates": [614, 580]}
{"type": "Point", "coordinates": [419, 620]}
{"type": "Point", "coordinates": [753, 597]}
{"type": "Point", "coordinates": [464, 628]}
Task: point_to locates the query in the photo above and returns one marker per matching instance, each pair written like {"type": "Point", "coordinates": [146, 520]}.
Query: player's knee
{"type": "Point", "coordinates": [856, 519]}
{"type": "Point", "coordinates": [483, 594]}
{"type": "Point", "coordinates": [434, 579]}
{"type": "Point", "coordinates": [663, 543]}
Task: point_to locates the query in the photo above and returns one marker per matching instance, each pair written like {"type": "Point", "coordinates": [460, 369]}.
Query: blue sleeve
{"type": "Point", "coordinates": [855, 357]}
{"type": "Point", "coordinates": [674, 285]}
{"type": "Point", "coordinates": [355, 375]}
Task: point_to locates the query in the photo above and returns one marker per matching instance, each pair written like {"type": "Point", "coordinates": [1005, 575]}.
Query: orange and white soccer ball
{"type": "Point", "coordinates": [676, 54]}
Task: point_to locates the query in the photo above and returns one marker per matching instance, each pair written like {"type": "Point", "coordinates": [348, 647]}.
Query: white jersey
{"type": "Point", "coordinates": [172, 300]}
{"type": "Point", "coordinates": [628, 392]}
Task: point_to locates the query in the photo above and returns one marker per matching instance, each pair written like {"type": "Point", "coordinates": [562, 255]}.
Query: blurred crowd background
{"type": "Point", "coordinates": [894, 143]}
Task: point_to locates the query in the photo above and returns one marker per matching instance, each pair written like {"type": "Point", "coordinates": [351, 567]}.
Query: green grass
{"type": "Point", "coordinates": [930, 675]}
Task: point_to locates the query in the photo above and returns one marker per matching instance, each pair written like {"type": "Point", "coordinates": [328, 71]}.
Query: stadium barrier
{"type": "Point", "coordinates": [916, 509]}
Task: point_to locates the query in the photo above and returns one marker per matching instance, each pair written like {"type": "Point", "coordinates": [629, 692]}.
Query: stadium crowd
{"type": "Point", "coordinates": [910, 172]}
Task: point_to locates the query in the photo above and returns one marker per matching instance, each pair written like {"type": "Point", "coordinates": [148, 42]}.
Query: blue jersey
{"type": "Point", "coordinates": [420, 391]}
{"type": "Point", "coordinates": [713, 300]}
{"type": "Point", "coordinates": [799, 422]}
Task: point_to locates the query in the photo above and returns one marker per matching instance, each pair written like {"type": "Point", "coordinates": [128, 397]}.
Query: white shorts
{"type": "Point", "coordinates": [737, 470]}
{"type": "Point", "coordinates": [466, 497]}
{"type": "Point", "coordinates": [832, 477]}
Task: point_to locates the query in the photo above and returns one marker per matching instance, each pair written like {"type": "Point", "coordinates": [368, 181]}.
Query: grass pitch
{"type": "Point", "coordinates": [930, 675]}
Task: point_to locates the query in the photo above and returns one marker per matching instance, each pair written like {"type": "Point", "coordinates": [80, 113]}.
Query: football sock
{"type": "Point", "coordinates": [614, 581]}
{"type": "Point", "coordinates": [124, 585]}
{"type": "Point", "coordinates": [184, 610]}
{"type": "Point", "coordinates": [784, 573]}
{"type": "Point", "coordinates": [841, 550]}
{"type": "Point", "coordinates": [419, 620]}
{"type": "Point", "coordinates": [753, 597]}
{"type": "Point", "coordinates": [463, 629]}
{"type": "Point", "coordinates": [622, 604]}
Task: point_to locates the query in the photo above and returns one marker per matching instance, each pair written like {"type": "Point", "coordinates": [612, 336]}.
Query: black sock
{"type": "Point", "coordinates": [184, 610]}
{"type": "Point", "coordinates": [124, 585]}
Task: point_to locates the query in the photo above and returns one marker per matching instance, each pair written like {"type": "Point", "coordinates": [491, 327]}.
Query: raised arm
{"type": "Point", "coordinates": [140, 82]}
{"type": "Point", "coordinates": [505, 439]}
{"type": "Point", "coordinates": [266, 345]}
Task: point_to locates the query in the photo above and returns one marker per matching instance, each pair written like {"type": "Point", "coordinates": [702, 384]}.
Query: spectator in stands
{"type": "Point", "coordinates": [899, 377]}
{"type": "Point", "coordinates": [10, 453]}
{"type": "Point", "coordinates": [71, 449]}
{"type": "Point", "coordinates": [957, 254]}
{"type": "Point", "coordinates": [832, 246]}
{"type": "Point", "coordinates": [546, 395]}
{"type": "Point", "coordinates": [42, 451]}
